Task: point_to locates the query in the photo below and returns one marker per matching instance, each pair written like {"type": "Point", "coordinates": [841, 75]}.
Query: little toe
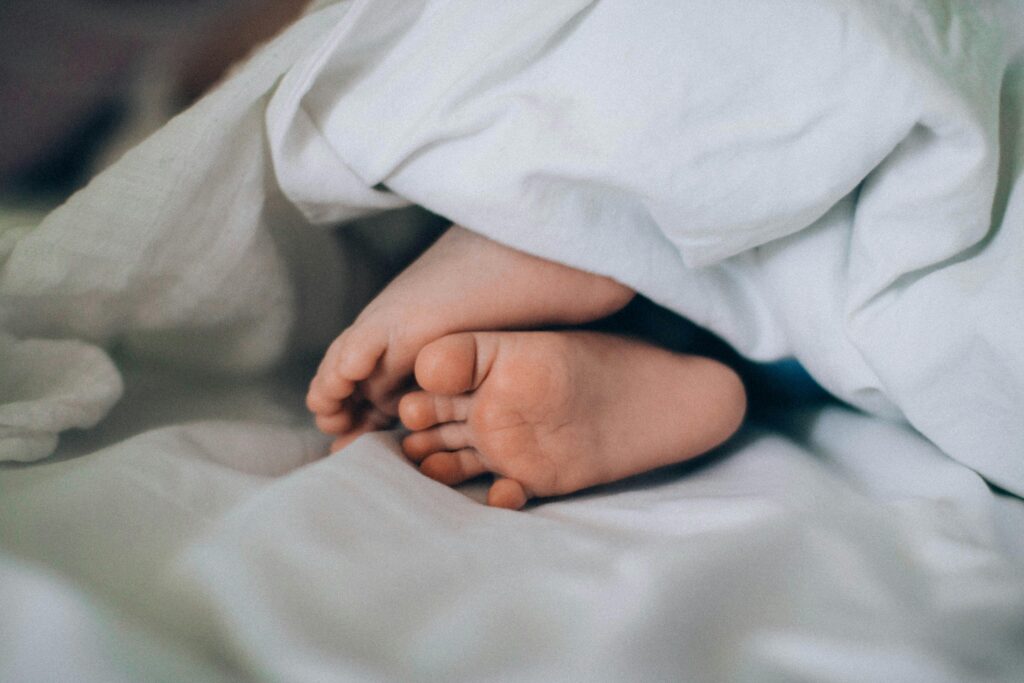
{"type": "Point", "coordinates": [507, 493]}
{"type": "Point", "coordinates": [420, 409]}
{"type": "Point", "coordinates": [455, 364]}
{"type": "Point", "coordinates": [320, 401]}
{"type": "Point", "coordinates": [453, 468]}
{"type": "Point", "coordinates": [450, 436]}
{"type": "Point", "coordinates": [338, 423]}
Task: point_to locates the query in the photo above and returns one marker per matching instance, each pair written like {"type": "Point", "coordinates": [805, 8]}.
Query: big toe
{"type": "Point", "coordinates": [454, 364]}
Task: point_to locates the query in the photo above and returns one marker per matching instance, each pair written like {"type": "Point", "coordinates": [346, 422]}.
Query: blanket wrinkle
{"type": "Point", "coordinates": [367, 93]}
{"type": "Point", "coordinates": [48, 386]}
{"type": "Point", "coordinates": [165, 253]}
{"type": "Point", "coordinates": [916, 144]}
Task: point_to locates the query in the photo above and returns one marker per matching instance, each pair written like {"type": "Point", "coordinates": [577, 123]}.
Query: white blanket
{"type": "Point", "coordinates": [837, 181]}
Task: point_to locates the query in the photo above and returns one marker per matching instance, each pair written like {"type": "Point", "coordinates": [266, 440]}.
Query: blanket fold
{"type": "Point", "coordinates": [809, 179]}
{"type": "Point", "coordinates": [167, 254]}
{"type": "Point", "coordinates": [839, 182]}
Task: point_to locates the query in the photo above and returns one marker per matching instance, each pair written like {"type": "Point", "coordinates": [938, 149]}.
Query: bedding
{"type": "Point", "coordinates": [829, 546]}
{"type": "Point", "coordinates": [836, 182]}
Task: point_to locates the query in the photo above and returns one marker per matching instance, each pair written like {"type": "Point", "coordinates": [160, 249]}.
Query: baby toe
{"type": "Point", "coordinates": [507, 493]}
{"type": "Point", "coordinates": [453, 468]}
{"type": "Point", "coordinates": [337, 423]}
{"type": "Point", "coordinates": [451, 436]}
{"type": "Point", "coordinates": [420, 409]}
{"type": "Point", "coordinates": [320, 401]}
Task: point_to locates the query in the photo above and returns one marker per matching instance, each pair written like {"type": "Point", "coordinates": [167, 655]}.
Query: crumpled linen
{"type": "Point", "coordinates": [831, 547]}
{"type": "Point", "coordinates": [50, 385]}
{"type": "Point", "coordinates": [838, 182]}
{"type": "Point", "coordinates": [168, 254]}
{"type": "Point", "coordinates": [841, 182]}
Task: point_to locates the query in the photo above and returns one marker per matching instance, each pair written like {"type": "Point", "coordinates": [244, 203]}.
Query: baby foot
{"type": "Point", "coordinates": [551, 413]}
{"type": "Point", "coordinates": [463, 282]}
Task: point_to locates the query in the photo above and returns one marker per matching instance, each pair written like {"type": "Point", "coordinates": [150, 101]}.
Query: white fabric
{"type": "Point", "coordinates": [833, 180]}
{"type": "Point", "coordinates": [872, 228]}
{"type": "Point", "coordinates": [169, 254]}
{"type": "Point", "coordinates": [821, 180]}
{"type": "Point", "coordinates": [63, 635]}
{"type": "Point", "coordinates": [51, 385]}
{"type": "Point", "coordinates": [833, 547]}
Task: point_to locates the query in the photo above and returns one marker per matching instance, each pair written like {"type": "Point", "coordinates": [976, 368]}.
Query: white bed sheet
{"type": "Point", "coordinates": [831, 546]}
